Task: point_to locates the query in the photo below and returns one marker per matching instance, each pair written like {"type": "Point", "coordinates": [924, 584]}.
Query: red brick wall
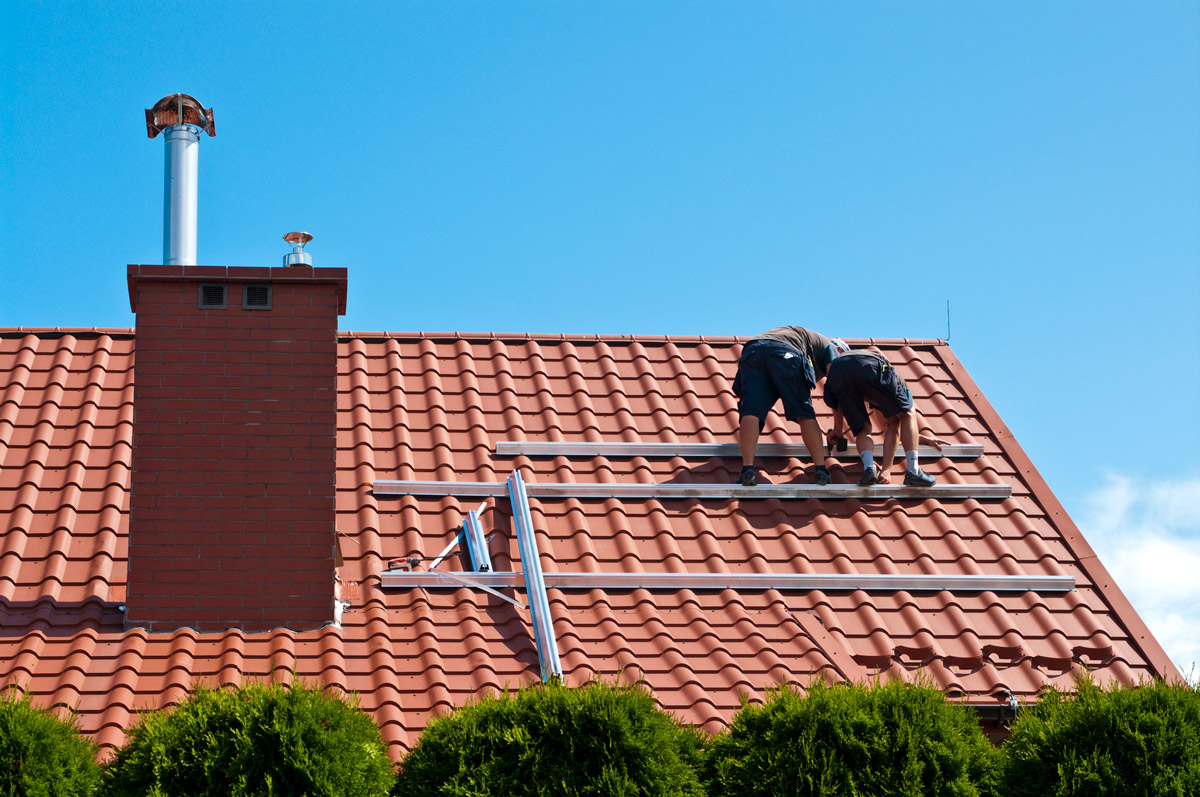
{"type": "Point", "coordinates": [234, 440]}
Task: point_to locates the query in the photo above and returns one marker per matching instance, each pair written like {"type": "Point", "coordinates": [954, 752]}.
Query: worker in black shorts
{"type": "Point", "coordinates": [866, 377]}
{"type": "Point", "coordinates": [925, 437]}
{"type": "Point", "coordinates": [783, 363]}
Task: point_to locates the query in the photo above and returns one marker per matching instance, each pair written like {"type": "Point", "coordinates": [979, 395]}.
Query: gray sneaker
{"type": "Point", "coordinates": [918, 478]}
{"type": "Point", "coordinates": [747, 478]}
{"type": "Point", "coordinates": [870, 476]}
{"type": "Point", "coordinates": [822, 478]}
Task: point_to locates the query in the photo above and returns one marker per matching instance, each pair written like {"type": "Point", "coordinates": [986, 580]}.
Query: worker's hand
{"type": "Point", "coordinates": [831, 438]}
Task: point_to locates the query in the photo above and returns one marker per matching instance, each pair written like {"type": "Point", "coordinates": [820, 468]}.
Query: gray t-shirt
{"type": "Point", "coordinates": [809, 343]}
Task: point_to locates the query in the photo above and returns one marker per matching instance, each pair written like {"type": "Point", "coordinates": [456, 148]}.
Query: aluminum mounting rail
{"type": "Point", "coordinates": [535, 585]}
{"type": "Point", "coordinates": [872, 582]}
{"type": "Point", "coordinates": [640, 490]}
{"type": "Point", "coordinates": [550, 448]}
{"type": "Point", "coordinates": [472, 580]}
{"type": "Point", "coordinates": [476, 544]}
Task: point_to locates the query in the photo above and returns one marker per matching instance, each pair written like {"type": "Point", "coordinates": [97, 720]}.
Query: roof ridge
{"type": "Point", "coordinates": [12, 332]}
{"type": "Point", "coordinates": [600, 337]}
{"type": "Point", "coordinates": [21, 331]}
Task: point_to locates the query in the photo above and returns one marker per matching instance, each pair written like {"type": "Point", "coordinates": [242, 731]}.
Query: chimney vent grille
{"type": "Point", "coordinates": [212, 296]}
{"type": "Point", "coordinates": [256, 297]}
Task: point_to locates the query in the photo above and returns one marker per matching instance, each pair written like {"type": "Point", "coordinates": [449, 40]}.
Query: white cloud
{"type": "Point", "coordinates": [1148, 536]}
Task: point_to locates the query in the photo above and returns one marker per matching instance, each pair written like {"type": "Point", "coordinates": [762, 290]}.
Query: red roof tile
{"type": "Point", "coordinates": [433, 407]}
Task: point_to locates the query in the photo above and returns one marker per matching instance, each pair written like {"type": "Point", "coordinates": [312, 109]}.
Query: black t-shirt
{"type": "Point", "coordinates": [846, 368]}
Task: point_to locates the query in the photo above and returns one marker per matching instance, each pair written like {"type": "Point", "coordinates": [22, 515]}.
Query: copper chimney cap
{"type": "Point", "coordinates": [179, 109]}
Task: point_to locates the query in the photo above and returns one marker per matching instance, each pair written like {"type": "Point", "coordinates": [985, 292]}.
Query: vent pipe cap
{"type": "Point", "coordinates": [176, 110]}
{"type": "Point", "coordinates": [298, 257]}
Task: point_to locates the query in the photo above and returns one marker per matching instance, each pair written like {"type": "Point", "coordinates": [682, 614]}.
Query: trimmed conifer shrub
{"type": "Point", "coordinates": [555, 741]}
{"type": "Point", "coordinates": [1143, 740]}
{"type": "Point", "coordinates": [42, 755]}
{"type": "Point", "coordinates": [892, 739]}
{"type": "Point", "coordinates": [257, 740]}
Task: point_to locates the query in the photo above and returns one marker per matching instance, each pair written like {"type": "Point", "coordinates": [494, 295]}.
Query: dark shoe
{"type": "Point", "coordinates": [822, 478]}
{"type": "Point", "coordinates": [870, 476]}
{"type": "Point", "coordinates": [918, 478]}
{"type": "Point", "coordinates": [747, 477]}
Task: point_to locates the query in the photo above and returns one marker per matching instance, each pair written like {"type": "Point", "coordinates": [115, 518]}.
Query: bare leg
{"type": "Point", "coordinates": [866, 444]}
{"type": "Point", "coordinates": [748, 439]}
{"type": "Point", "coordinates": [913, 475]}
{"type": "Point", "coordinates": [889, 448]}
{"type": "Point", "coordinates": [908, 431]}
{"type": "Point", "coordinates": [814, 440]}
{"type": "Point", "coordinates": [863, 440]}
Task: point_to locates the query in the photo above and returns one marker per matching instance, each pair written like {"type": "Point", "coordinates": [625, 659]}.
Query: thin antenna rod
{"type": "Point", "coordinates": [947, 320]}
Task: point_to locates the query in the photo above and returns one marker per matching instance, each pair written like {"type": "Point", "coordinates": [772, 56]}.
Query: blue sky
{"type": "Point", "coordinates": [680, 168]}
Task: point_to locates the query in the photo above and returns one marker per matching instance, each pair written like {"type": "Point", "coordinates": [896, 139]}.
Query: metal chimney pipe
{"type": "Point", "coordinates": [298, 257]}
{"type": "Point", "coordinates": [181, 120]}
{"type": "Point", "coordinates": [179, 195]}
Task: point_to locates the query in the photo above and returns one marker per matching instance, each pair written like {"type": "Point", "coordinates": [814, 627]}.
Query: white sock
{"type": "Point", "coordinates": [868, 458]}
{"type": "Point", "coordinates": [911, 456]}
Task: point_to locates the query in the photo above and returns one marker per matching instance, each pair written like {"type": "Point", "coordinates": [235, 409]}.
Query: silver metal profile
{"type": "Point", "coordinates": [180, 190]}
{"type": "Point", "coordinates": [472, 580]}
{"type": "Point", "coordinates": [535, 585]}
{"type": "Point", "coordinates": [181, 119]}
{"type": "Point", "coordinates": [437, 560]}
{"type": "Point", "coordinates": [552, 448]}
{"type": "Point", "coordinates": [481, 561]}
{"type": "Point", "coordinates": [834, 492]}
{"type": "Point", "coordinates": [871, 582]}
{"type": "Point", "coordinates": [457, 489]}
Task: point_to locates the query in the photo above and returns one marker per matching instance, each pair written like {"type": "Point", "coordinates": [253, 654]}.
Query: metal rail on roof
{"type": "Point", "coordinates": [638, 490]}
{"type": "Point", "coordinates": [437, 560]}
{"type": "Point", "coordinates": [476, 544]}
{"type": "Point", "coordinates": [552, 448]}
{"type": "Point", "coordinates": [872, 582]}
{"type": "Point", "coordinates": [457, 489]}
{"type": "Point", "coordinates": [471, 580]}
{"type": "Point", "coordinates": [535, 585]}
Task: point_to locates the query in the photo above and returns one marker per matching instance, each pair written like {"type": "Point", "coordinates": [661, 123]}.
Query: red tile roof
{"type": "Point", "coordinates": [419, 406]}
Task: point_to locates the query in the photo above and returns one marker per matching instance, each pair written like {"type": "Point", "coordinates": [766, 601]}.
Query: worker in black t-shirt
{"type": "Point", "coordinates": [866, 377]}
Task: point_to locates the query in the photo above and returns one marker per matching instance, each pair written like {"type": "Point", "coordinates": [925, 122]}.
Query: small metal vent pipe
{"type": "Point", "coordinates": [298, 257]}
{"type": "Point", "coordinates": [181, 119]}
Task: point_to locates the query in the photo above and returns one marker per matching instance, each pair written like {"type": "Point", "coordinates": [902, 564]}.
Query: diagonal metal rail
{"type": "Point", "coordinates": [535, 583]}
{"type": "Point", "coordinates": [477, 550]}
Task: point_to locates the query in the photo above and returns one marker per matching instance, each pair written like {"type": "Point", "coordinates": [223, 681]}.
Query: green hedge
{"type": "Point", "coordinates": [1143, 740]}
{"type": "Point", "coordinates": [557, 742]}
{"type": "Point", "coordinates": [257, 740]}
{"type": "Point", "coordinates": [890, 739]}
{"type": "Point", "coordinates": [41, 755]}
{"type": "Point", "coordinates": [893, 739]}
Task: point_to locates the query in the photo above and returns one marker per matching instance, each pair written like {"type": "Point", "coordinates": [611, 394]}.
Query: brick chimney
{"type": "Point", "coordinates": [234, 442]}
